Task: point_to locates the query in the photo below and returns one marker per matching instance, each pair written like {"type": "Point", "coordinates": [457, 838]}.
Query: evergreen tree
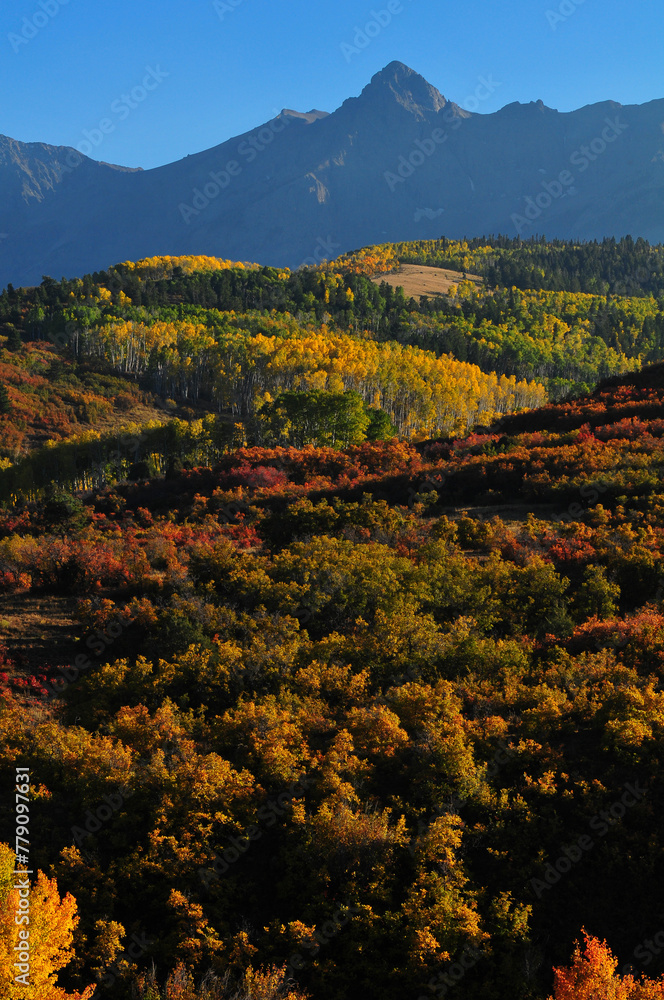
{"type": "Point", "coordinates": [380, 426]}
{"type": "Point", "coordinates": [14, 342]}
{"type": "Point", "coordinates": [5, 401]}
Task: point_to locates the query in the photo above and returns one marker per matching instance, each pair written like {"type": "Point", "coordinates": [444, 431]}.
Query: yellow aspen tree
{"type": "Point", "coordinates": [46, 924]}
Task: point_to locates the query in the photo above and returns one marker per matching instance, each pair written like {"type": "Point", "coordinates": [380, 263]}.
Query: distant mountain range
{"type": "Point", "coordinates": [398, 162]}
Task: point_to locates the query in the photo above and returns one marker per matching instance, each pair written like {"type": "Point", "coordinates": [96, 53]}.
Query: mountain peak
{"type": "Point", "coordinates": [398, 82]}
{"type": "Point", "coordinates": [395, 68]}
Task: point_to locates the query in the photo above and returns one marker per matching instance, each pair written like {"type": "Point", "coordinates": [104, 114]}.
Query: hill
{"type": "Point", "coordinates": [148, 341]}
{"type": "Point", "coordinates": [337, 718]}
{"type": "Point", "coordinates": [196, 355]}
{"type": "Point", "coordinates": [398, 162]}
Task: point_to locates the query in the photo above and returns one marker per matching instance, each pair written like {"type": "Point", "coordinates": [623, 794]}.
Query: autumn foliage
{"type": "Point", "coordinates": [313, 713]}
{"type": "Point", "coordinates": [52, 922]}
{"type": "Point", "coordinates": [593, 976]}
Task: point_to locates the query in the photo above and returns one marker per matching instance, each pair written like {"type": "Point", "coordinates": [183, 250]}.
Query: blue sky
{"type": "Point", "coordinates": [218, 70]}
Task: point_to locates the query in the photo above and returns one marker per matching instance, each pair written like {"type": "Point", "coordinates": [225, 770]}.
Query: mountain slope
{"type": "Point", "coordinates": [398, 162]}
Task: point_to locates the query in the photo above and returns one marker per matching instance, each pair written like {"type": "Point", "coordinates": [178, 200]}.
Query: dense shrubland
{"type": "Point", "coordinates": [410, 717]}
{"type": "Point", "coordinates": [346, 713]}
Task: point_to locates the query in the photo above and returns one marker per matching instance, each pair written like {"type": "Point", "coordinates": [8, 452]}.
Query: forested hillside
{"type": "Point", "coordinates": [616, 267]}
{"type": "Point", "coordinates": [244, 350]}
{"type": "Point", "coordinates": [356, 684]}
